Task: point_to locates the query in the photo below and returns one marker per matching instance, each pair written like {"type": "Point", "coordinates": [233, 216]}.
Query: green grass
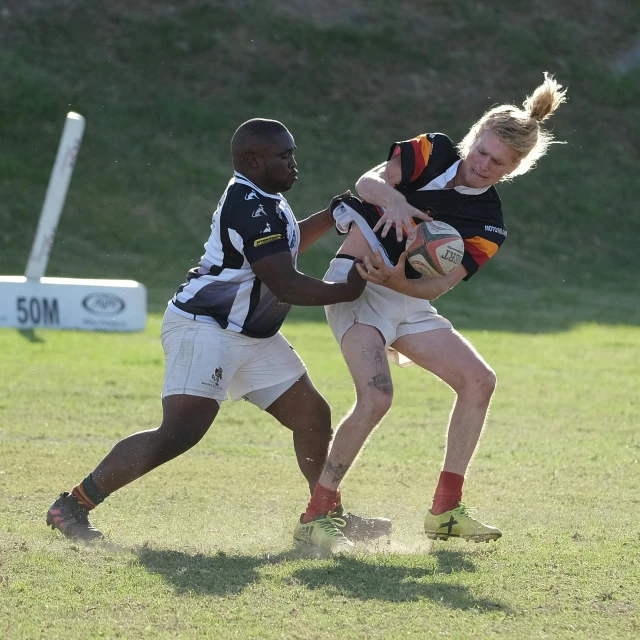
{"type": "Point", "coordinates": [202, 546]}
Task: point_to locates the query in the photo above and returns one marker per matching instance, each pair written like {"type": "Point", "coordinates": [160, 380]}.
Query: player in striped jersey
{"type": "Point", "coordinates": [425, 178]}
{"type": "Point", "coordinates": [221, 335]}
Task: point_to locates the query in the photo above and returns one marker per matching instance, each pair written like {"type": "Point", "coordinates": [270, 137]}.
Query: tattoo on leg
{"type": "Point", "coordinates": [382, 383]}
{"type": "Point", "coordinates": [337, 471]}
{"type": "Point", "coordinates": [372, 353]}
{"type": "Point", "coordinates": [373, 356]}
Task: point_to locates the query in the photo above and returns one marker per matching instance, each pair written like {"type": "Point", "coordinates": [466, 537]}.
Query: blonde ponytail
{"type": "Point", "coordinates": [545, 99]}
{"type": "Point", "coordinates": [520, 128]}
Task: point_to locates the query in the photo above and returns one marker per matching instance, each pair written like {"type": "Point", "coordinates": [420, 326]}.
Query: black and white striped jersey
{"type": "Point", "coordinates": [247, 225]}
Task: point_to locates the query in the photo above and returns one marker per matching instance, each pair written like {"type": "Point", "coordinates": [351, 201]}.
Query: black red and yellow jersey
{"type": "Point", "coordinates": [428, 163]}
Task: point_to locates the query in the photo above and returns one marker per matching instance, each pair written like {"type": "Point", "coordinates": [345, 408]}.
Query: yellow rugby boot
{"type": "Point", "coordinates": [324, 534]}
{"type": "Point", "coordinates": [458, 523]}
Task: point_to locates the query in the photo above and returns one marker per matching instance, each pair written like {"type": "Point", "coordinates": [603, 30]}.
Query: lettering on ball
{"type": "Point", "coordinates": [450, 255]}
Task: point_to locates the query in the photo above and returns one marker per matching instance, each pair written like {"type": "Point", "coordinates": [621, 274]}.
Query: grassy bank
{"type": "Point", "coordinates": [163, 90]}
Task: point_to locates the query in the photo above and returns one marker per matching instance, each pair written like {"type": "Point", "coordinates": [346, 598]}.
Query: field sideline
{"type": "Point", "coordinates": [202, 547]}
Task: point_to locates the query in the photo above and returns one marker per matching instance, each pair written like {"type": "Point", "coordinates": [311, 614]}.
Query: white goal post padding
{"type": "Point", "coordinates": [31, 301]}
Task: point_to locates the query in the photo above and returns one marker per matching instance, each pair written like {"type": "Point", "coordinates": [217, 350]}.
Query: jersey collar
{"type": "Point", "coordinates": [238, 177]}
{"type": "Point", "coordinates": [440, 182]}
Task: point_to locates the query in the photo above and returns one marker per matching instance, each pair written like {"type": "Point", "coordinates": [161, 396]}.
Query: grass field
{"type": "Point", "coordinates": [202, 547]}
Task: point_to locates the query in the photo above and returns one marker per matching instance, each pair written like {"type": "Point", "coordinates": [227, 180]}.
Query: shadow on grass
{"type": "Point", "coordinates": [388, 579]}
{"type": "Point", "coordinates": [397, 582]}
{"type": "Point", "coordinates": [453, 562]}
{"type": "Point", "coordinates": [217, 575]}
{"type": "Point", "coordinates": [31, 335]}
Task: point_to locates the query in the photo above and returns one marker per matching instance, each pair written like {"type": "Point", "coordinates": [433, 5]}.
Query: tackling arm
{"type": "Point", "coordinates": [314, 227]}
{"type": "Point", "coordinates": [318, 224]}
{"type": "Point", "coordinates": [290, 286]}
{"type": "Point", "coordinates": [377, 272]}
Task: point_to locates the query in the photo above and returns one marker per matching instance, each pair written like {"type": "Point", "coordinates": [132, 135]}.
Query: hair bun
{"type": "Point", "coordinates": [545, 99]}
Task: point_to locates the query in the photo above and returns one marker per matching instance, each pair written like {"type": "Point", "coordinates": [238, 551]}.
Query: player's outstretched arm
{"type": "Point", "coordinates": [291, 286]}
{"type": "Point", "coordinates": [317, 225]}
{"type": "Point", "coordinates": [377, 272]}
{"type": "Point", "coordinates": [377, 187]}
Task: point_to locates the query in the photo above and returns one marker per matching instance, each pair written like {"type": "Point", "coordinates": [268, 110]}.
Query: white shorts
{"type": "Point", "coordinates": [392, 313]}
{"type": "Point", "coordinates": [202, 359]}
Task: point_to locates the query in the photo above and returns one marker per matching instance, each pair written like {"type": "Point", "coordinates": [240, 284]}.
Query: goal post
{"type": "Point", "coordinates": [32, 300]}
{"type": "Point", "coordinates": [56, 195]}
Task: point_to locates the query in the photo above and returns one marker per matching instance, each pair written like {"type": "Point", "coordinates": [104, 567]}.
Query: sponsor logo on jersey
{"type": "Point", "coordinates": [502, 232]}
{"type": "Point", "coordinates": [267, 229]}
{"type": "Point", "coordinates": [267, 239]}
{"type": "Point", "coordinates": [259, 212]}
{"type": "Point", "coordinates": [251, 196]}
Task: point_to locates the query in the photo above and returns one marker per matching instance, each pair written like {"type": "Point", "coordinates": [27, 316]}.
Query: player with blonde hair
{"type": "Point", "coordinates": [423, 179]}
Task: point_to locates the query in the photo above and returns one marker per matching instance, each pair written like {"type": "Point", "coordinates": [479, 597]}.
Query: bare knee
{"type": "Point", "coordinates": [170, 440]}
{"type": "Point", "coordinates": [487, 382]}
{"type": "Point", "coordinates": [185, 420]}
{"type": "Point", "coordinates": [372, 407]}
{"type": "Point", "coordinates": [319, 425]}
{"type": "Point", "coordinates": [308, 417]}
{"type": "Point", "coordinates": [479, 382]}
{"type": "Point", "coordinates": [322, 412]}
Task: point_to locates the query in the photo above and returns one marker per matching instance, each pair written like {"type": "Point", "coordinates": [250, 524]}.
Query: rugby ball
{"type": "Point", "coordinates": [434, 248]}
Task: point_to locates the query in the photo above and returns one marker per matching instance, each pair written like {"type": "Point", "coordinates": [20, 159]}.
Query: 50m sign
{"type": "Point", "coordinates": [40, 311]}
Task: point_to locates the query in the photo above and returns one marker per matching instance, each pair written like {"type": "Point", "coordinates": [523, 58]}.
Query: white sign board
{"type": "Point", "coordinates": [70, 303]}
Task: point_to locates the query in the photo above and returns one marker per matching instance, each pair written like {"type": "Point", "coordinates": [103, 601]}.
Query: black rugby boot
{"type": "Point", "coordinates": [72, 519]}
{"type": "Point", "coordinates": [361, 529]}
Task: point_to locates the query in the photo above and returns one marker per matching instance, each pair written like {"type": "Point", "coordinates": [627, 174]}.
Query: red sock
{"type": "Point", "coordinates": [448, 492]}
{"type": "Point", "coordinates": [322, 502]}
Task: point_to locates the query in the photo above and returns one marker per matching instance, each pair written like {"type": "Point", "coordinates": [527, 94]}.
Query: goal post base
{"type": "Point", "coordinates": [72, 303]}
